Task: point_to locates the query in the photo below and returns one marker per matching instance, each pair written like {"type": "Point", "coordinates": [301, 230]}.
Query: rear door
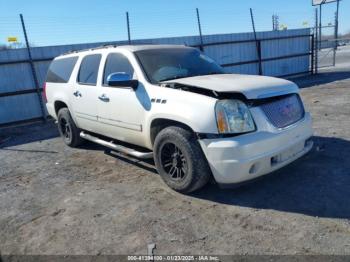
{"type": "Point", "coordinates": [58, 83]}
{"type": "Point", "coordinates": [84, 94]}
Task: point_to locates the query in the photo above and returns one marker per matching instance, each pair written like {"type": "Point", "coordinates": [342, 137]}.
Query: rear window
{"type": "Point", "coordinates": [60, 70]}
{"type": "Point", "coordinates": [89, 69]}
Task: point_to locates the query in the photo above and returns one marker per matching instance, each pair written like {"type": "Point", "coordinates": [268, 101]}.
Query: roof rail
{"type": "Point", "coordinates": [90, 49]}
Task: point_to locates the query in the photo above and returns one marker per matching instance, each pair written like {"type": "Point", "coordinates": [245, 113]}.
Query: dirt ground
{"type": "Point", "coordinates": [59, 200]}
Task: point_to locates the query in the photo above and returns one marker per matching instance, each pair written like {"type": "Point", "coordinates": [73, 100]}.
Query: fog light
{"type": "Point", "coordinates": [308, 142]}
{"type": "Point", "coordinates": [254, 168]}
{"type": "Point", "coordinates": [274, 160]}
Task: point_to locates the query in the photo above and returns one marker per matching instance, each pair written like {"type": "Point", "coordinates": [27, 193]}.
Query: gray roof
{"type": "Point", "coordinates": [131, 48]}
{"type": "Point", "coordinates": [134, 48]}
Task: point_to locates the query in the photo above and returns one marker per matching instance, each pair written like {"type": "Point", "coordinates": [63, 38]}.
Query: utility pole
{"type": "Point", "coordinates": [200, 30]}
{"type": "Point", "coordinates": [320, 29]}
{"type": "Point", "coordinates": [257, 42]}
{"type": "Point", "coordinates": [128, 27]}
{"type": "Point", "coordinates": [316, 41]}
{"type": "Point", "coordinates": [35, 78]}
{"type": "Point", "coordinates": [336, 25]}
{"type": "Point", "coordinates": [336, 16]}
{"type": "Point", "coordinates": [335, 39]}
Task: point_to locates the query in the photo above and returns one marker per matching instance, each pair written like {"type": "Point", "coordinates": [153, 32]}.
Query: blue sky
{"type": "Point", "coordinates": [78, 21]}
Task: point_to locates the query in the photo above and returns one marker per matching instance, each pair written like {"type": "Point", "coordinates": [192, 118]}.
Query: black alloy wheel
{"type": "Point", "coordinates": [173, 161]}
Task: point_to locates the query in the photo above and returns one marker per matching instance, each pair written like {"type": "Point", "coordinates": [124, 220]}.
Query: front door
{"type": "Point", "coordinates": [121, 110]}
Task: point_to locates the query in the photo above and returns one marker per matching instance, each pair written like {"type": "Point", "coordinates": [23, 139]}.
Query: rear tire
{"type": "Point", "coordinates": [180, 160]}
{"type": "Point", "coordinates": [67, 128]}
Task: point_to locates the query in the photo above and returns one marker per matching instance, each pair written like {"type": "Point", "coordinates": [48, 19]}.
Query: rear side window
{"type": "Point", "coordinates": [89, 69]}
{"type": "Point", "coordinates": [60, 70]}
{"type": "Point", "coordinates": [117, 63]}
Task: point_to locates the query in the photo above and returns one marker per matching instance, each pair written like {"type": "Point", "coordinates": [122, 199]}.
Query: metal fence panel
{"type": "Point", "coordinates": [15, 77]}
{"type": "Point", "coordinates": [285, 67]}
{"type": "Point", "coordinates": [19, 108]}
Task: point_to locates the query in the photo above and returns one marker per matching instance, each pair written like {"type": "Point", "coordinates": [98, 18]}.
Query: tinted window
{"type": "Point", "coordinates": [60, 70]}
{"type": "Point", "coordinates": [89, 69]}
{"type": "Point", "coordinates": [172, 63]}
{"type": "Point", "coordinates": [117, 63]}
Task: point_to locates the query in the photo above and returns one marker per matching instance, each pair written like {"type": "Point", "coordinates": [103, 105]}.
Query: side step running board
{"type": "Point", "coordinates": [120, 148]}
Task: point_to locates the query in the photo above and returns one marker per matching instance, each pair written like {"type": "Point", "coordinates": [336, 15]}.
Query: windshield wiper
{"type": "Point", "coordinates": [182, 76]}
{"type": "Point", "coordinates": [214, 73]}
{"type": "Point", "coordinates": [172, 78]}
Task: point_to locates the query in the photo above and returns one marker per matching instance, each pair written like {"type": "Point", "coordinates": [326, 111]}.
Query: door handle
{"type": "Point", "coordinates": [77, 93]}
{"type": "Point", "coordinates": [104, 98]}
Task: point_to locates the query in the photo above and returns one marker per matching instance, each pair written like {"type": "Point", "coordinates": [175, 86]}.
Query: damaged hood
{"type": "Point", "coordinates": [251, 86]}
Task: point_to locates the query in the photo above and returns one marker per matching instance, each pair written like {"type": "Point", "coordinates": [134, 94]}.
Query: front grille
{"type": "Point", "coordinates": [284, 111]}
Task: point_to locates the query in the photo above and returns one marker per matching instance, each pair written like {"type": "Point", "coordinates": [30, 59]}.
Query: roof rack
{"type": "Point", "coordinates": [113, 46]}
{"type": "Point", "coordinates": [91, 49]}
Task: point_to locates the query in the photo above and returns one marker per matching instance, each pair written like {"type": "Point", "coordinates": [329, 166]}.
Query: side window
{"type": "Point", "coordinates": [60, 70]}
{"type": "Point", "coordinates": [117, 63]}
{"type": "Point", "coordinates": [89, 69]}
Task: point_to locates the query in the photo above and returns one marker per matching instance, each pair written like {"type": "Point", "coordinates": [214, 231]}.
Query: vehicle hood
{"type": "Point", "coordinates": [251, 86]}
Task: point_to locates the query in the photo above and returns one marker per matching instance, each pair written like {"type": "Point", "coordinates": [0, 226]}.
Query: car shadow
{"type": "Point", "coordinates": [318, 184]}
{"type": "Point", "coordinates": [320, 78]}
{"type": "Point", "coordinates": [146, 164]}
{"type": "Point", "coordinates": [23, 134]}
{"type": "Point", "coordinates": [28, 133]}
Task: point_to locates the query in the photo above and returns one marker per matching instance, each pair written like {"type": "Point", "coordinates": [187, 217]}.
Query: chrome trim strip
{"type": "Point", "coordinates": [98, 119]}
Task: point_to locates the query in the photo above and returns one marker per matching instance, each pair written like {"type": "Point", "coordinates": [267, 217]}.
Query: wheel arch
{"type": "Point", "coordinates": [159, 124]}
{"type": "Point", "coordinates": [58, 104]}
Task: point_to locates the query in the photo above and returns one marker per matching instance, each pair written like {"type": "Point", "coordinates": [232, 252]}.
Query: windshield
{"type": "Point", "coordinates": [172, 63]}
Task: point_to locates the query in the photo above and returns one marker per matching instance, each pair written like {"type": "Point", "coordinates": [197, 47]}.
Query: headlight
{"type": "Point", "coordinates": [233, 116]}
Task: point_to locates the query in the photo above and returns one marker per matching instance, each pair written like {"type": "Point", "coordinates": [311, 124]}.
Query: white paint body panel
{"type": "Point", "coordinates": [129, 114]}
{"type": "Point", "coordinates": [232, 159]}
{"type": "Point", "coordinates": [251, 86]}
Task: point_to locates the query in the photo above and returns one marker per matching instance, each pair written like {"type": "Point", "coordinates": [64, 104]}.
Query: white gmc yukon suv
{"type": "Point", "coordinates": [175, 104]}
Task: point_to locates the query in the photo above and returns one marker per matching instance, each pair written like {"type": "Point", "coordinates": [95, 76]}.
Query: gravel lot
{"type": "Point", "coordinates": [58, 200]}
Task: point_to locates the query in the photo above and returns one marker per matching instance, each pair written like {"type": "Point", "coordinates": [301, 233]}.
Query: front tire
{"type": "Point", "coordinates": [67, 128]}
{"type": "Point", "coordinates": [180, 160]}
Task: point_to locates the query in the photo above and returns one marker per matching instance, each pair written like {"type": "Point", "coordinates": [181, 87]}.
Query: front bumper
{"type": "Point", "coordinates": [238, 159]}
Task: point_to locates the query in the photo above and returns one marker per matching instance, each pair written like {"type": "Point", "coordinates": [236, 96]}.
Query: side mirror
{"type": "Point", "coordinates": [122, 79]}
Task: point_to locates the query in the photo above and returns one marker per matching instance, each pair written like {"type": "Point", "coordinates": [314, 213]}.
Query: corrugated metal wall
{"type": "Point", "coordinates": [16, 75]}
